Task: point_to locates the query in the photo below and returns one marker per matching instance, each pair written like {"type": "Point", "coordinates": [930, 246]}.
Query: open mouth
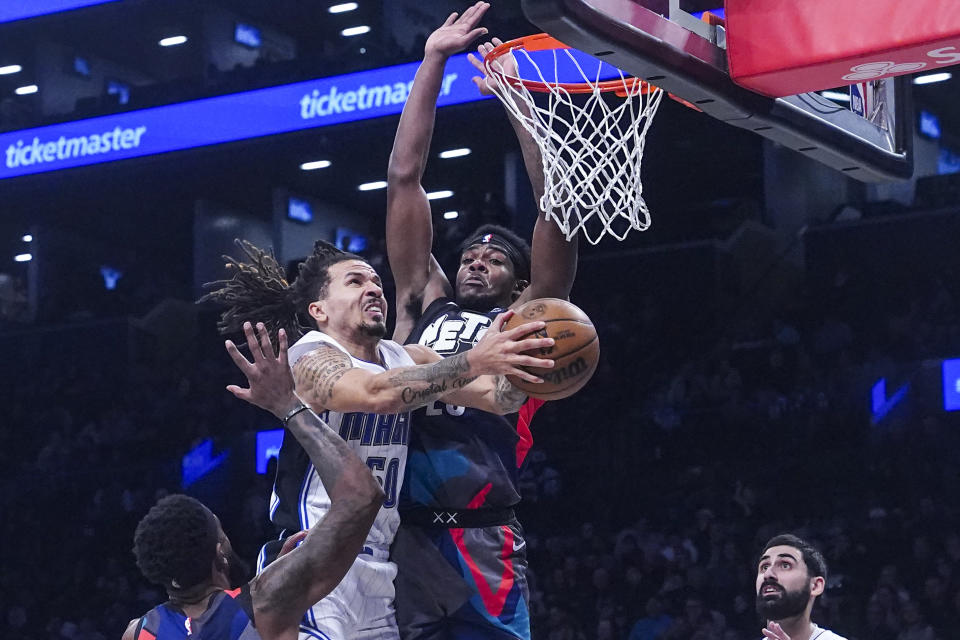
{"type": "Point", "coordinates": [376, 308]}
{"type": "Point", "coordinates": [771, 590]}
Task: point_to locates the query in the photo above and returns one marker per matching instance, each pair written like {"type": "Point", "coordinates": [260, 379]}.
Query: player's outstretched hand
{"type": "Point", "coordinates": [503, 352]}
{"type": "Point", "coordinates": [269, 377]}
{"type": "Point", "coordinates": [506, 64]}
{"type": "Point", "coordinates": [457, 32]}
{"type": "Point", "coordinates": [775, 632]}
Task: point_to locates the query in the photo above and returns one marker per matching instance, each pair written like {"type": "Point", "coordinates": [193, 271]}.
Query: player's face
{"type": "Point", "coordinates": [485, 279]}
{"type": "Point", "coordinates": [783, 584]}
{"type": "Point", "coordinates": [354, 303]}
{"type": "Point", "coordinates": [228, 562]}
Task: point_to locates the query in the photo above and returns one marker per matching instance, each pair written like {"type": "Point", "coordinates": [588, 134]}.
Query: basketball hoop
{"type": "Point", "coordinates": [591, 149]}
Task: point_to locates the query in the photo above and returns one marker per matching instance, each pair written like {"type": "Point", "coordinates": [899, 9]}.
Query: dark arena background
{"type": "Point", "coordinates": [777, 351]}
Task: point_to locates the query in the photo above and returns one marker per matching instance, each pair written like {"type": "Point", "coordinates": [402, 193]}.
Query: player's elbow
{"type": "Point", "coordinates": [369, 494]}
{"type": "Point", "coordinates": [403, 171]}
{"type": "Point", "coordinates": [358, 493]}
{"type": "Point", "coordinates": [372, 497]}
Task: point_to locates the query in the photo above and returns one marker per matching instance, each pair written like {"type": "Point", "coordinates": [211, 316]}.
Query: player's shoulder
{"type": "Point", "coordinates": [311, 341]}
{"type": "Point", "coordinates": [820, 633]}
{"type": "Point", "coordinates": [440, 306]}
{"type": "Point", "coordinates": [131, 631]}
{"type": "Point", "coordinates": [395, 354]}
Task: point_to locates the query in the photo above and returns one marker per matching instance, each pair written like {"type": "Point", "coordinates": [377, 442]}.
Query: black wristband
{"type": "Point", "coordinates": [293, 412]}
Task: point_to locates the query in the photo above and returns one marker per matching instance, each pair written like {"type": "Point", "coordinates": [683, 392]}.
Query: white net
{"type": "Point", "coordinates": [591, 148]}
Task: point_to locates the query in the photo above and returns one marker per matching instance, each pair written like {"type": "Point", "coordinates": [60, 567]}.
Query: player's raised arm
{"type": "Point", "coordinates": [291, 585]}
{"type": "Point", "coordinates": [491, 393]}
{"type": "Point", "coordinates": [326, 378]}
{"type": "Point", "coordinates": [418, 276]}
{"type": "Point", "coordinates": [553, 259]}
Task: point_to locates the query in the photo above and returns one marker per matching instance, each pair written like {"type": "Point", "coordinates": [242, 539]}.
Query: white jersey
{"type": "Point", "coordinates": [824, 634]}
{"type": "Point", "coordinates": [819, 633]}
{"type": "Point", "coordinates": [379, 439]}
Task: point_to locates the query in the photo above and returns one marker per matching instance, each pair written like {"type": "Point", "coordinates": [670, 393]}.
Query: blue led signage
{"type": "Point", "coordinates": [247, 35]}
{"type": "Point", "coordinates": [951, 384]}
{"type": "Point", "coordinates": [252, 114]}
{"type": "Point", "coordinates": [198, 462]}
{"type": "Point", "coordinates": [10, 11]}
{"type": "Point", "coordinates": [268, 446]}
{"type": "Point", "coordinates": [299, 210]}
{"type": "Point", "coordinates": [929, 125]}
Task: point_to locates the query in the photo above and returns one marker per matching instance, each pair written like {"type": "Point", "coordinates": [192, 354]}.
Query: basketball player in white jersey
{"type": "Point", "coordinates": [791, 574]}
{"type": "Point", "coordinates": [364, 387]}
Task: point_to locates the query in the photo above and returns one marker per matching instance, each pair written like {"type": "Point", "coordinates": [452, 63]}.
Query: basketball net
{"type": "Point", "coordinates": [591, 148]}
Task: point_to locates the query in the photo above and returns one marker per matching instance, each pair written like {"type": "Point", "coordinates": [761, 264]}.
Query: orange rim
{"type": "Point", "coordinates": [544, 42]}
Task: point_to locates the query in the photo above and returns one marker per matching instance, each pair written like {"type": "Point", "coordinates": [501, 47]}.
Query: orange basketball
{"type": "Point", "coordinates": [575, 353]}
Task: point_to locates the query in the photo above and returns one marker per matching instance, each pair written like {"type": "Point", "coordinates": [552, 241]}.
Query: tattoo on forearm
{"type": "Point", "coordinates": [321, 370]}
{"type": "Point", "coordinates": [436, 379]}
{"type": "Point", "coordinates": [507, 396]}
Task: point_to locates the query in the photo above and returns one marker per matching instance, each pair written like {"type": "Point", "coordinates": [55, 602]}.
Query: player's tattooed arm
{"type": "Point", "coordinates": [489, 393]}
{"type": "Point", "coordinates": [318, 372]}
{"type": "Point", "coordinates": [326, 378]}
{"type": "Point", "coordinates": [507, 397]}
{"type": "Point", "coordinates": [423, 384]}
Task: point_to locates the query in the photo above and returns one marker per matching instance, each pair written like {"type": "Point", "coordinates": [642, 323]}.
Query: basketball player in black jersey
{"type": "Point", "coordinates": [460, 552]}
{"type": "Point", "coordinates": [180, 544]}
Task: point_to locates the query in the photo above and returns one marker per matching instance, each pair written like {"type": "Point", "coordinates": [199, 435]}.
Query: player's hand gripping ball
{"type": "Point", "coordinates": [576, 350]}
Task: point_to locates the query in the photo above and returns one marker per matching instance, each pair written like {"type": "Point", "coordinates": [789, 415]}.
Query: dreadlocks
{"type": "Point", "coordinates": [259, 292]}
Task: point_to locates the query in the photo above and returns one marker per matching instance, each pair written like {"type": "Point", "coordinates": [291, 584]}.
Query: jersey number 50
{"type": "Point", "coordinates": [387, 480]}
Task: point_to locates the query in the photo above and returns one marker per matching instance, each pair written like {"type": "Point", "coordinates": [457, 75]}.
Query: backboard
{"type": "Point", "coordinates": [662, 42]}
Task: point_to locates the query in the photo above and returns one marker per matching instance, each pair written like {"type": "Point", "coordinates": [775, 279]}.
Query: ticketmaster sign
{"type": "Point", "coordinates": [263, 112]}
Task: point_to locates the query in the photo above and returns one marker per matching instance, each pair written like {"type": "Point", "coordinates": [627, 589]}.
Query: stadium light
{"type": "Point", "coordinates": [439, 195]}
{"type": "Point", "coordinates": [372, 186]}
{"type": "Point", "coordinates": [343, 7]}
{"type": "Point", "coordinates": [930, 78]}
{"type": "Point", "coordinates": [455, 153]}
{"type": "Point", "coordinates": [23, 257]}
{"type": "Point", "coordinates": [27, 238]}
{"type": "Point", "coordinates": [836, 95]}
{"type": "Point", "coordinates": [173, 41]}
{"type": "Point", "coordinates": [27, 90]}
{"type": "Point", "coordinates": [451, 215]}
{"type": "Point", "coordinates": [10, 68]}
{"type": "Point", "coordinates": [315, 164]}
{"type": "Point", "coordinates": [355, 31]}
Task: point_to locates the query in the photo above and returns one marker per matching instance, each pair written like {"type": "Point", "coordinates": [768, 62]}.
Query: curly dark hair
{"type": "Point", "coordinates": [176, 542]}
{"type": "Point", "coordinates": [259, 292]}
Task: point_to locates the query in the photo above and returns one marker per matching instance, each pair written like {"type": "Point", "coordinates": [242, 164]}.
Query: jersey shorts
{"type": "Point", "coordinates": [469, 583]}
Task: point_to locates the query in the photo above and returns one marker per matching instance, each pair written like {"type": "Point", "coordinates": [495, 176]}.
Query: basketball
{"type": "Point", "coordinates": [575, 353]}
